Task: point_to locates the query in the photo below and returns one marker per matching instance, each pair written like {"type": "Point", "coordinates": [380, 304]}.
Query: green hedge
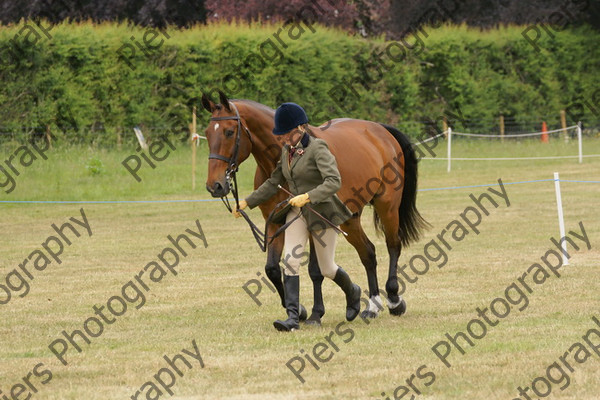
{"type": "Point", "coordinates": [82, 79]}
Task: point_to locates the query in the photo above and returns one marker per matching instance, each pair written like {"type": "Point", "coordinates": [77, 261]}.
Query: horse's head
{"type": "Point", "coordinates": [229, 143]}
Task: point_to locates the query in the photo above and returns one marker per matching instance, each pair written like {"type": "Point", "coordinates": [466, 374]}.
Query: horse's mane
{"type": "Point", "coordinates": [256, 104]}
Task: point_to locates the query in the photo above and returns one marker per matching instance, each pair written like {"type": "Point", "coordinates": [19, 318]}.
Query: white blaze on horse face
{"type": "Point", "coordinates": [216, 126]}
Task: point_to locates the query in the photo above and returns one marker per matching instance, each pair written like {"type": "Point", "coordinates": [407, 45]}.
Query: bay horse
{"type": "Point", "coordinates": [377, 164]}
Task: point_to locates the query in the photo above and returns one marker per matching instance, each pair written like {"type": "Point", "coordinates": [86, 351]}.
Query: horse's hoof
{"type": "Point", "coordinates": [314, 319]}
{"type": "Point", "coordinates": [399, 309]}
{"type": "Point", "coordinates": [302, 314]}
{"type": "Point", "coordinates": [368, 314]}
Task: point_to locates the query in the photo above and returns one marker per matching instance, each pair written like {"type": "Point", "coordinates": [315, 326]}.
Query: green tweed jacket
{"type": "Point", "coordinates": [312, 170]}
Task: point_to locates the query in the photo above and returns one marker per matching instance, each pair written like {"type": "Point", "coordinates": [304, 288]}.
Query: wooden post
{"type": "Point", "coordinates": [192, 133]}
{"type": "Point", "coordinates": [119, 139]}
{"type": "Point", "coordinates": [449, 148]}
{"type": "Point", "coordinates": [48, 136]}
{"type": "Point", "coordinates": [445, 126]}
{"type": "Point", "coordinates": [502, 128]}
{"type": "Point", "coordinates": [563, 122]}
{"type": "Point", "coordinates": [579, 142]}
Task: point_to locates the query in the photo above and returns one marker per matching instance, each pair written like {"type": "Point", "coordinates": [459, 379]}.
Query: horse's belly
{"type": "Point", "coordinates": [369, 159]}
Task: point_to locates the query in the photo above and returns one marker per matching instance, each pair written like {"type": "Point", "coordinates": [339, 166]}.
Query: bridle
{"type": "Point", "coordinates": [232, 167]}
{"type": "Point", "coordinates": [231, 182]}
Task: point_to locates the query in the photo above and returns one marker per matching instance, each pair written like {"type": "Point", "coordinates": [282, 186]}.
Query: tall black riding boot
{"type": "Point", "coordinates": [292, 304]}
{"type": "Point", "coordinates": [352, 292]}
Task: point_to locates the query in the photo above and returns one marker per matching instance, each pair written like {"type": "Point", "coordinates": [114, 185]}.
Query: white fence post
{"type": "Point", "coordinates": [580, 144]}
{"type": "Point", "coordinates": [561, 219]}
{"type": "Point", "coordinates": [449, 147]}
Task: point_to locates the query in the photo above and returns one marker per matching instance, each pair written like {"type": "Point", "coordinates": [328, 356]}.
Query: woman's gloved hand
{"type": "Point", "coordinates": [243, 205]}
{"type": "Point", "coordinates": [300, 200]}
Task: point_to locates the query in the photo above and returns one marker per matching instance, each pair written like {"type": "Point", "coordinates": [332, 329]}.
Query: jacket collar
{"type": "Point", "coordinates": [302, 144]}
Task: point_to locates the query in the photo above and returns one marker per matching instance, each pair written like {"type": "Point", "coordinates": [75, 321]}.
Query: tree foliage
{"type": "Point", "coordinates": [156, 13]}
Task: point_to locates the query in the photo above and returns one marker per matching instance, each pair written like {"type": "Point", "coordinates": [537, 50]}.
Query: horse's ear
{"type": "Point", "coordinates": [207, 103]}
{"type": "Point", "coordinates": [224, 100]}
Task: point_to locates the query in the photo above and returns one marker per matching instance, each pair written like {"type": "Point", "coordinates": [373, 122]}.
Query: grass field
{"type": "Point", "coordinates": [243, 356]}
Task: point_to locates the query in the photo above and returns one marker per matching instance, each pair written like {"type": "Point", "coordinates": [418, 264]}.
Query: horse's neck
{"type": "Point", "coordinates": [265, 148]}
{"type": "Point", "coordinates": [266, 152]}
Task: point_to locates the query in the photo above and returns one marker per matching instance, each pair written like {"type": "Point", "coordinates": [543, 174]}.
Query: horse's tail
{"type": "Point", "coordinates": [411, 223]}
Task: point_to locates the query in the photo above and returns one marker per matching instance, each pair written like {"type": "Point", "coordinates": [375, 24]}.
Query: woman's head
{"type": "Point", "coordinates": [290, 123]}
{"type": "Point", "coordinates": [294, 136]}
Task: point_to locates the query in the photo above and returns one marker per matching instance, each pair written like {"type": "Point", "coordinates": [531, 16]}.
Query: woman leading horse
{"type": "Point", "coordinates": [311, 172]}
{"type": "Point", "coordinates": [377, 166]}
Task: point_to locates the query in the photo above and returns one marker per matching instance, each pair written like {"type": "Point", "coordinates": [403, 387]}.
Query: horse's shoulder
{"type": "Point", "coordinates": [319, 144]}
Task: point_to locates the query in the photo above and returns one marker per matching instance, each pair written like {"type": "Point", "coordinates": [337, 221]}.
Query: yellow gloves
{"type": "Point", "coordinates": [300, 200]}
{"type": "Point", "coordinates": [296, 201]}
{"type": "Point", "coordinates": [243, 205]}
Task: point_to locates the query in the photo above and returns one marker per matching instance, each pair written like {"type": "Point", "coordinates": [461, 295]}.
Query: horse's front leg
{"type": "Point", "coordinates": [314, 271]}
{"type": "Point", "coordinates": [273, 269]}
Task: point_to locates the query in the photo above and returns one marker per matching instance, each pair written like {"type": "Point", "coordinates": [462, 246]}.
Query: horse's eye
{"type": "Point", "coordinates": [229, 133]}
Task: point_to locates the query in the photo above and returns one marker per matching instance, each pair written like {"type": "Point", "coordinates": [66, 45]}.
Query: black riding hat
{"type": "Point", "coordinates": [287, 117]}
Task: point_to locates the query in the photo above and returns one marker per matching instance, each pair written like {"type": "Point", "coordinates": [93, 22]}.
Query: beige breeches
{"type": "Point", "coordinates": [296, 236]}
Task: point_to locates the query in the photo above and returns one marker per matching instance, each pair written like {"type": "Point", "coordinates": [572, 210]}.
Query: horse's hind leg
{"type": "Point", "coordinates": [314, 271]}
{"type": "Point", "coordinates": [366, 251]}
{"type": "Point", "coordinates": [387, 209]}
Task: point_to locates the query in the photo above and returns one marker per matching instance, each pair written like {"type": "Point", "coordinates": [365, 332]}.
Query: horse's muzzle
{"type": "Point", "coordinates": [218, 189]}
